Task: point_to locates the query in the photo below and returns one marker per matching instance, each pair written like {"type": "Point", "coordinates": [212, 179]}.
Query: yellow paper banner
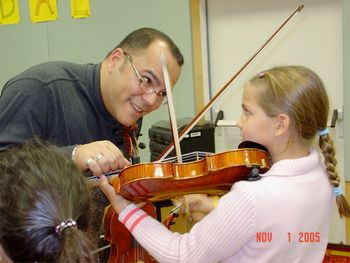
{"type": "Point", "coordinates": [80, 8]}
{"type": "Point", "coordinates": [42, 10]}
{"type": "Point", "coordinates": [9, 12]}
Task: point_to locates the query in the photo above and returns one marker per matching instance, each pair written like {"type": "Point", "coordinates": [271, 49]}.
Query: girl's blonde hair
{"type": "Point", "coordinates": [299, 93]}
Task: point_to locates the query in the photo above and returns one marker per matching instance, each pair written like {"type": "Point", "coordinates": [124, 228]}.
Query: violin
{"type": "Point", "coordinates": [123, 247]}
{"type": "Point", "coordinates": [201, 172]}
{"type": "Point", "coordinates": [209, 173]}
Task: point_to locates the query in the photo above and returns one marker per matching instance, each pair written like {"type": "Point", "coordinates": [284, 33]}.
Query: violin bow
{"type": "Point", "coordinates": [195, 120]}
{"type": "Point", "coordinates": [171, 108]}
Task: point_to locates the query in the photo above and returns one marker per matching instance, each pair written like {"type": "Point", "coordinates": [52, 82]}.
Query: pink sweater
{"type": "Point", "coordinates": [284, 217]}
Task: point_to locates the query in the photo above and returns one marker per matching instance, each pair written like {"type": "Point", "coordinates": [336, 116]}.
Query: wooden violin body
{"type": "Point", "coordinates": [124, 248]}
{"type": "Point", "coordinates": [211, 174]}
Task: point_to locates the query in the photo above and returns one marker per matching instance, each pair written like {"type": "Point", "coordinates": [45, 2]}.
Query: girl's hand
{"type": "Point", "coordinates": [118, 202]}
{"type": "Point", "coordinates": [197, 206]}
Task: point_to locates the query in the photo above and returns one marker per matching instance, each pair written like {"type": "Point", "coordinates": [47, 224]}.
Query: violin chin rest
{"type": "Point", "coordinates": [251, 144]}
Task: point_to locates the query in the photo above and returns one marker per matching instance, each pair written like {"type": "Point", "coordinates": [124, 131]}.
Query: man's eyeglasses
{"type": "Point", "coordinates": [144, 83]}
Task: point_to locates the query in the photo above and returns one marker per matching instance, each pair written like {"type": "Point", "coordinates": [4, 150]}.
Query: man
{"type": "Point", "coordinates": [90, 110]}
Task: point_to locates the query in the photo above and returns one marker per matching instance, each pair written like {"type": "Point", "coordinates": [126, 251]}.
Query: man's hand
{"type": "Point", "coordinates": [99, 157]}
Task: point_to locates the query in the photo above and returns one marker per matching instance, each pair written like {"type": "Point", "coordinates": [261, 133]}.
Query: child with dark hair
{"type": "Point", "coordinates": [45, 207]}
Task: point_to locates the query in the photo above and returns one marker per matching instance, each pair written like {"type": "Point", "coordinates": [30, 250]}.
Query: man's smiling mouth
{"type": "Point", "coordinates": [136, 107]}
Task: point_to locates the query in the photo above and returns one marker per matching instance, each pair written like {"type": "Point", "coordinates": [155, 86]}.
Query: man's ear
{"type": "Point", "coordinates": [117, 53]}
{"type": "Point", "coordinates": [282, 124]}
{"type": "Point", "coordinates": [114, 57]}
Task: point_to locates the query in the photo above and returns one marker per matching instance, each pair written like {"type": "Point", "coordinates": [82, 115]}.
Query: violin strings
{"type": "Point", "coordinates": [193, 156]}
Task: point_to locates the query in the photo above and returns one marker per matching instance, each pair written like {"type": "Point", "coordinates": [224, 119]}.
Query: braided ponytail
{"type": "Point", "coordinates": [327, 147]}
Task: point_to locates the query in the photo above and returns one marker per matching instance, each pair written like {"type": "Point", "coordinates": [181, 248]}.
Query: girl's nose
{"type": "Point", "coordinates": [239, 122]}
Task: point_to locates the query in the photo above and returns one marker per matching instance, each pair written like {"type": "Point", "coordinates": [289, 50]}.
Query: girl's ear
{"type": "Point", "coordinates": [282, 124]}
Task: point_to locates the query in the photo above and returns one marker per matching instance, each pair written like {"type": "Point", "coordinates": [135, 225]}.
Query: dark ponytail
{"type": "Point", "coordinates": [39, 189]}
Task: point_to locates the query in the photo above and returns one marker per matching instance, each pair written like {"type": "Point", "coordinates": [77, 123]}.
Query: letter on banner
{"type": "Point", "coordinates": [42, 10]}
{"type": "Point", "coordinates": [9, 12]}
{"type": "Point", "coordinates": [80, 8]}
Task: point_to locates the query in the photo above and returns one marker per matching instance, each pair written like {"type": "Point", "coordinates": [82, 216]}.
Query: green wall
{"type": "Point", "coordinates": [89, 40]}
